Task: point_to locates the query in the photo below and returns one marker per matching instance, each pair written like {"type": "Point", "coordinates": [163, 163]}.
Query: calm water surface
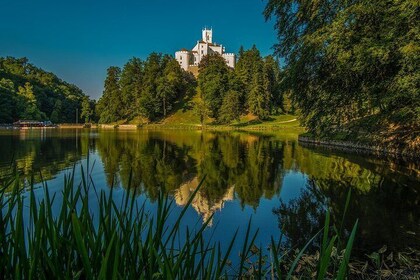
{"type": "Point", "coordinates": [281, 184]}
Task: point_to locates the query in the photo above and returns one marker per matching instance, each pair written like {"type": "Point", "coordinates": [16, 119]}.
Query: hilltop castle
{"type": "Point", "coordinates": [189, 60]}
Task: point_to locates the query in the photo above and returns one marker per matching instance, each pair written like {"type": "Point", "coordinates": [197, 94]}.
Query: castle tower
{"type": "Point", "coordinates": [208, 35]}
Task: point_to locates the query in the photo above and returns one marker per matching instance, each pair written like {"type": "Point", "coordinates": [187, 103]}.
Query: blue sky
{"type": "Point", "coordinates": [78, 40]}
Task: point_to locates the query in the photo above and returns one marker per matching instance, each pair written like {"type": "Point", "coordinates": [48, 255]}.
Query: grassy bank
{"type": "Point", "coordinates": [124, 241]}
{"type": "Point", "coordinates": [187, 120]}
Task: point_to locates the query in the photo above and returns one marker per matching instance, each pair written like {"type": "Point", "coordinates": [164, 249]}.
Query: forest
{"type": "Point", "coordinates": [252, 87]}
{"type": "Point", "coordinates": [143, 88]}
{"type": "Point", "coordinates": [28, 92]}
{"type": "Point", "coordinates": [152, 88]}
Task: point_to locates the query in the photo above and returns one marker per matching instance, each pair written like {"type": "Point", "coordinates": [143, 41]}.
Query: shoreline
{"type": "Point", "coordinates": [377, 150]}
{"type": "Point", "coordinates": [362, 148]}
{"type": "Point", "coordinates": [161, 127]}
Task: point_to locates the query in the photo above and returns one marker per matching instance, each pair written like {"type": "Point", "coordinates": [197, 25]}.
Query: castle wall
{"type": "Point", "coordinates": [183, 58]}
{"type": "Point", "coordinates": [217, 49]}
{"type": "Point", "coordinates": [230, 59]}
{"type": "Point", "coordinates": [196, 59]}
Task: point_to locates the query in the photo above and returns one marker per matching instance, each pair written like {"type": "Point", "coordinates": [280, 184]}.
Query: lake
{"type": "Point", "coordinates": [284, 186]}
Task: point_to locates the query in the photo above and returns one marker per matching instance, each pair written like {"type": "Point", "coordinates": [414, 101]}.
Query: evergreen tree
{"type": "Point", "coordinates": [170, 85]}
{"type": "Point", "coordinates": [230, 109]}
{"type": "Point", "coordinates": [131, 84]}
{"type": "Point", "coordinates": [245, 71]}
{"type": "Point", "coordinates": [149, 103]}
{"type": "Point", "coordinates": [258, 97]}
{"type": "Point", "coordinates": [213, 82]}
{"type": "Point", "coordinates": [236, 84]}
{"type": "Point", "coordinates": [241, 51]}
{"type": "Point", "coordinates": [109, 105]}
{"type": "Point", "coordinates": [149, 89]}
{"type": "Point", "coordinates": [201, 110]}
{"type": "Point", "coordinates": [272, 72]}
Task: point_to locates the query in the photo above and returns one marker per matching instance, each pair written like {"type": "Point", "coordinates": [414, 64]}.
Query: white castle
{"type": "Point", "coordinates": [189, 60]}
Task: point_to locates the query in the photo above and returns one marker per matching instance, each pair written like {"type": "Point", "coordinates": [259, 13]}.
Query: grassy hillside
{"type": "Point", "coordinates": [184, 116]}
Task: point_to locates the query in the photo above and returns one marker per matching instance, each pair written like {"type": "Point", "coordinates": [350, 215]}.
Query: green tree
{"type": "Point", "coordinates": [273, 78]}
{"type": "Point", "coordinates": [149, 103]}
{"type": "Point", "coordinates": [109, 105]}
{"type": "Point", "coordinates": [213, 82]}
{"type": "Point", "coordinates": [231, 107]}
{"type": "Point", "coordinates": [55, 115]}
{"type": "Point", "coordinates": [7, 100]}
{"type": "Point", "coordinates": [245, 71]}
{"type": "Point", "coordinates": [28, 103]}
{"type": "Point", "coordinates": [86, 110]}
{"type": "Point", "coordinates": [201, 110]}
{"type": "Point", "coordinates": [347, 60]}
{"type": "Point", "coordinates": [259, 95]}
{"type": "Point", "coordinates": [169, 85]}
{"type": "Point", "coordinates": [131, 84]}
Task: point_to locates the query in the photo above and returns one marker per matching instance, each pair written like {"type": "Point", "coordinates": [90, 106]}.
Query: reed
{"type": "Point", "coordinates": [39, 240]}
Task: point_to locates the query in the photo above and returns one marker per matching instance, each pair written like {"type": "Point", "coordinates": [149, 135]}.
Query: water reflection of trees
{"type": "Point", "coordinates": [41, 154]}
{"type": "Point", "coordinates": [150, 163]}
{"type": "Point", "coordinates": [253, 167]}
{"type": "Point", "coordinates": [388, 213]}
{"type": "Point", "coordinates": [251, 164]}
{"type": "Point", "coordinates": [243, 166]}
{"type": "Point", "coordinates": [301, 218]}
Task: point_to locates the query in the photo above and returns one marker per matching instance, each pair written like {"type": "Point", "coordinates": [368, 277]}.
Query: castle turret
{"type": "Point", "coordinates": [184, 58]}
{"type": "Point", "coordinates": [208, 35]}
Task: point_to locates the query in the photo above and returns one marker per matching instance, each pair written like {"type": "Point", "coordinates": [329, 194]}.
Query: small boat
{"type": "Point", "coordinates": [28, 124]}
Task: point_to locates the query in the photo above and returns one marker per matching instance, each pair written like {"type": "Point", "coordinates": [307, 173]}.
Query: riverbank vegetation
{"type": "Point", "coordinates": [28, 92]}
{"type": "Point", "coordinates": [125, 241]}
{"type": "Point", "coordinates": [352, 67]}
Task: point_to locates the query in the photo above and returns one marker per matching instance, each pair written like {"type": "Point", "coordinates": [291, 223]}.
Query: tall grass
{"type": "Point", "coordinates": [122, 241]}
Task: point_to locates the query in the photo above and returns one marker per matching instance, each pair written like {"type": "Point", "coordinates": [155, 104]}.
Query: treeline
{"type": "Point", "coordinates": [151, 88]}
{"type": "Point", "coordinates": [351, 61]}
{"type": "Point", "coordinates": [252, 87]}
{"type": "Point", "coordinates": [28, 92]}
{"type": "Point", "coordinates": [147, 88]}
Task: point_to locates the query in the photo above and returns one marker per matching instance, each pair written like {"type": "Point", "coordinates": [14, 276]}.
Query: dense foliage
{"type": "Point", "coordinates": [151, 89]}
{"type": "Point", "coordinates": [148, 89]}
{"type": "Point", "coordinates": [252, 87]}
{"type": "Point", "coordinates": [28, 92]}
{"type": "Point", "coordinates": [347, 60]}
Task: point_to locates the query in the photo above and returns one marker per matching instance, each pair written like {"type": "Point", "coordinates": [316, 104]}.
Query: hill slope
{"type": "Point", "coordinates": [28, 92]}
